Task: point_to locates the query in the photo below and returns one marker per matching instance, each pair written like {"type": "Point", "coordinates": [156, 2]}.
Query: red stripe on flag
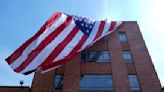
{"type": "Point", "coordinates": [20, 50]}
{"type": "Point", "coordinates": [68, 57]}
{"type": "Point", "coordinates": [61, 46]}
{"type": "Point", "coordinates": [112, 26]}
{"type": "Point", "coordinates": [43, 44]}
{"type": "Point", "coordinates": [100, 30]}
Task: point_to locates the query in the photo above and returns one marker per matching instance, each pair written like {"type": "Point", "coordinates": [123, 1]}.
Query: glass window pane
{"type": "Point", "coordinates": [127, 56]}
{"type": "Point", "coordinates": [92, 55]}
{"type": "Point", "coordinates": [58, 81]}
{"type": "Point", "coordinates": [96, 82]}
{"type": "Point", "coordinates": [133, 82]}
{"type": "Point", "coordinates": [123, 37]}
{"type": "Point", "coordinates": [95, 56]}
{"type": "Point", "coordinates": [103, 56]}
{"type": "Point", "coordinates": [84, 55]}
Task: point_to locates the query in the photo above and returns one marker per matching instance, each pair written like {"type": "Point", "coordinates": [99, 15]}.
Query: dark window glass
{"type": "Point", "coordinates": [127, 56]}
{"type": "Point", "coordinates": [123, 37]}
{"type": "Point", "coordinates": [96, 82]}
{"type": "Point", "coordinates": [133, 82]}
{"type": "Point", "coordinates": [58, 81]}
{"type": "Point", "coordinates": [95, 56]}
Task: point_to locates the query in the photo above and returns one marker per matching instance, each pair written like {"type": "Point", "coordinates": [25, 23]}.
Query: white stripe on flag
{"type": "Point", "coordinates": [106, 27]}
{"type": "Point", "coordinates": [37, 41]}
{"type": "Point", "coordinates": [118, 23]}
{"type": "Point", "coordinates": [70, 46]}
{"type": "Point", "coordinates": [44, 71]}
{"type": "Point", "coordinates": [49, 48]}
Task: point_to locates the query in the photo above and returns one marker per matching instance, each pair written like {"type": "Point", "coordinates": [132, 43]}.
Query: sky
{"type": "Point", "coordinates": [21, 19]}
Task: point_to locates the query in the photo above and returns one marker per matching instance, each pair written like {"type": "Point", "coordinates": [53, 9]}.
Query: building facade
{"type": "Point", "coordinates": [119, 62]}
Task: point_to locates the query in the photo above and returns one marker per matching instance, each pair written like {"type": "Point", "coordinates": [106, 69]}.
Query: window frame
{"type": "Point", "coordinates": [88, 55]}
{"type": "Point", "coordinates": [123, 37]}
{"type": "Point", "coordinates": [60, 86]}
{"type": "Point", "coordinates": [126, 55]}
{"type": "Point", "coordinates": [96, 88]}
{"type": "Point", "coordinates": [134, 86]}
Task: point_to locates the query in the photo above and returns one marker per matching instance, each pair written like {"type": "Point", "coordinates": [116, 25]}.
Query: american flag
{"type": "Point", "coordinates": [58, 41]}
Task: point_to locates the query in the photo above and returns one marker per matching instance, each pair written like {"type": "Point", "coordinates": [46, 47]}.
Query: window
{"type": "Point", "coordinates": [96, 82]}
{"type": "Point", "coordinates": [123, 37]}
{"type": "Point", "coordinates": [58, 81]}
{"type": "Point", "coordinates": [127, 56]}
{"type": "Point", "coordinates": [133, 82]}
{"type": "Point", "coordinates": [95, 56]}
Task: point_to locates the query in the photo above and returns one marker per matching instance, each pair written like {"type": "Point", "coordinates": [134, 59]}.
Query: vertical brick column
{"type": "Point", "coordinates": [146, 73]}
{"type": "Point", "coordinates": [43, 82]}
{"type": "Point", "coordinates": [118, 66]}
{"type": "Point", "coordinates": [72, 75]}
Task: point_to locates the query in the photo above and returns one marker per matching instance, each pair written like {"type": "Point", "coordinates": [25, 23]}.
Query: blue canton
{"type": "Point", "coordinates": [84, 24]}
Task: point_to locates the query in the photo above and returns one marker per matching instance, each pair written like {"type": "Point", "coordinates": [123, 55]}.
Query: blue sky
{"type": "Point", "coordinates": [21, 19]}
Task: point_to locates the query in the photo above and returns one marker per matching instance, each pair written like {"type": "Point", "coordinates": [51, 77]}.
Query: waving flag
{"type": "Point", "coordinates": [58, 40]}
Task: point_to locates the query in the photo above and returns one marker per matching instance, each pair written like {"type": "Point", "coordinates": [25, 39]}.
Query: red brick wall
{"type": "Point", "coordinates": [43, 82]}
{"type": "Point", "coordinates": [118, 66]}
{"type": "Point", "coordinates": [162, 90]}
{"type": "Point", "coordinates": [147, 75]}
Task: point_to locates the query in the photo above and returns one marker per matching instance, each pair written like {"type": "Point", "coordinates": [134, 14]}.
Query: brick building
{"type": "Point", "coordinates": [162, 89]}
{"type": "Point", "coordinates": [117, 63]}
